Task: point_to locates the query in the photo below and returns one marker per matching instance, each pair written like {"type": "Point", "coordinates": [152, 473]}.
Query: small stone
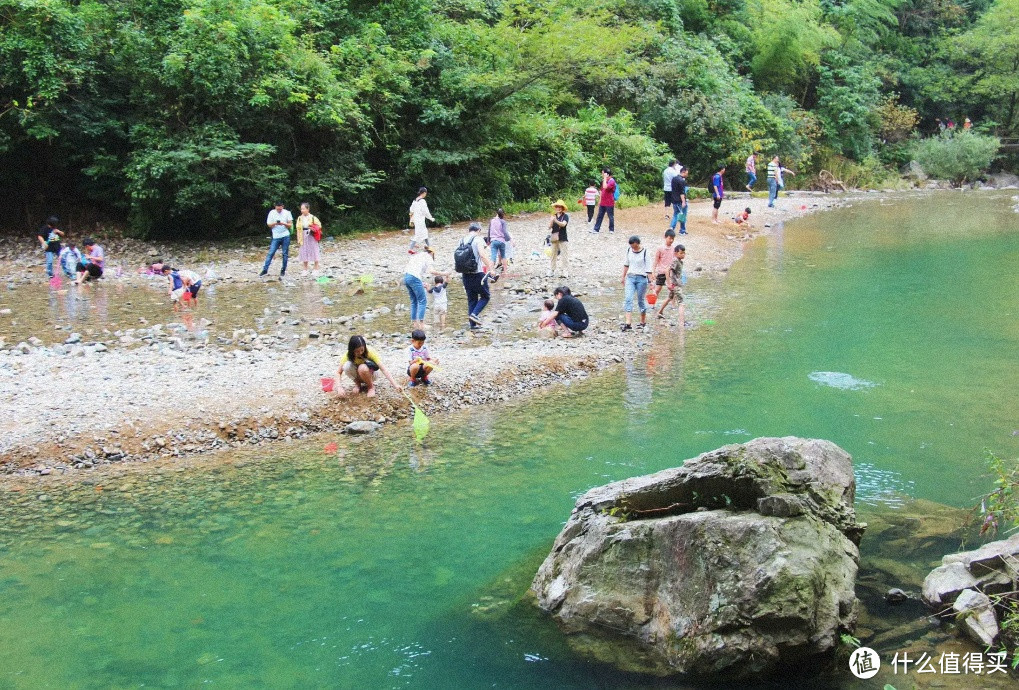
{"type": "Point", "coordinates": [73, 338]}
{"type": "Point", "coordinates": [45, 470]}
{"type": "Point", "coordinates": [362, 427]}
{"type": "Point", "coordinates": [895, 596]}
{"type": "Point", "coordinates": [977, 617]}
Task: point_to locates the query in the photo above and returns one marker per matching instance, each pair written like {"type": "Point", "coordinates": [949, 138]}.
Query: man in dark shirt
{"type": "Point", "coordinates": [679, 201]}
{"type": "Point", "coordinates": [569, 314]}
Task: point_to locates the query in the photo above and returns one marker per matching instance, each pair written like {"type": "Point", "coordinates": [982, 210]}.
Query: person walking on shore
{"type": "Point", "coordinates": [717, 192]}
{"type": "Point", "coordinates": [751, 171]}
{"type": "Point", "coordinates": [309, 234]}
{"type": "Point", "coordinates": [590, 200]}
{"type": "Point", "coordinates": [773, 178]}
{"type": "Point", "coordinates": [636, 277]}
{"type": "Point", "coordinates": [468, 258]}
{"type": "Point", "coordinates": [670, 172]}
{"type": "Point", "coordinates": [679, 202]}
{"type": "Point", "coordinates": [607, 203]}
{"type": "Point", "coordinates": [558, 236]}
{"type": "Point", "coordinates": [279, 221]}
{"type": "Point", "coordinates": [498, 237]}
{"type": "Point", "coordinates": [49, 240]}
{"type": "Point", "coordinates": [419, 213]}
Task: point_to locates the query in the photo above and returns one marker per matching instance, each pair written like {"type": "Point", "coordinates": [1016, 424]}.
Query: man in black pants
{"type": "Point", "coordinates": [569, 314]}
{"type": "Point", "coordinates": [475, 283]}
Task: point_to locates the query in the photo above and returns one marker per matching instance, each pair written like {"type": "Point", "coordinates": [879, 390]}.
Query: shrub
{"type": "Point", "coordinates": [958, 157]}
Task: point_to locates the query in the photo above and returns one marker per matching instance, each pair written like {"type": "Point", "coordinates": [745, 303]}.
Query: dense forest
{"type": "Point", "coordinates": [180, 117]}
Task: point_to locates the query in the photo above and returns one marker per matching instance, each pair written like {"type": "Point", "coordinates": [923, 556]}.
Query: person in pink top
{"type": "Point", "coordinates": [607, 204]}
{"type": "Point", "coordinates": [663, 259]}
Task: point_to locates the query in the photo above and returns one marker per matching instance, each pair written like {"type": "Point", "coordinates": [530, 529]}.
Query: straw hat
{"type": "Point", "coordinates": [560, 202]}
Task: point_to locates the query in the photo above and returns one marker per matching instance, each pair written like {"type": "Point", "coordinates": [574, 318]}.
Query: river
{"type": "Point", "coordinates": [888, 327]}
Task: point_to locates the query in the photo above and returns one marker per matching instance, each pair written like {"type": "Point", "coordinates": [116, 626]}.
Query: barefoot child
{"type": "Point", "coordinates": [421, 362]}
{"type": "Point", "coordinates": [676, 285]}
{"type": "Point", "coordinates": [440, 302]}
{"type": "Point", "coordinates": [360, 364]}
{"type": "Point", "coordinates": [743, 218]}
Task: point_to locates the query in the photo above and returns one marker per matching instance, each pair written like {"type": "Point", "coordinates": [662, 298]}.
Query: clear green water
{"type": "Point", "coordinates": [386, 565]}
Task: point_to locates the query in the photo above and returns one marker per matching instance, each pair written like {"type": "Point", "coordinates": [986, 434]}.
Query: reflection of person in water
{"type": "Point", "coordinates": [637, 394]}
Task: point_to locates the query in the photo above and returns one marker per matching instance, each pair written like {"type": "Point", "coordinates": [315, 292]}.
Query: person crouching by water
{"type": "Point", "coordinates": [359, 365]}
{"type": "Point", "coordinates": [569, 314]}
{"type": "Point", "coordinates": [91, 266]}
{"type": "Point", "coordinates": [421, 362]}
{"type": "Point", "coordinates": [183, 285]}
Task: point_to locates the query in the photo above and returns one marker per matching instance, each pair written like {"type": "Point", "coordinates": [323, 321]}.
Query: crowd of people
{"type": "Point", "coordinates": [481, 259]}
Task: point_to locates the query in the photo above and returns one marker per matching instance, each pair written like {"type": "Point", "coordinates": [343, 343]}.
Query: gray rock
{"type": "Point", "coordinates": [977, 619]}
{"type": "Point", "coordinates": [363, 427]}
{"type": "Point", "coordinates": [73, 338]}
{"type": "Point", "coordinates": [676, 572]}
{"type": "Point", "coordinates": [943, 584]}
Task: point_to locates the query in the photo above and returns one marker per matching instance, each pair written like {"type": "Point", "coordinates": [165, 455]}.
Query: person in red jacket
{"type": "Point", "coordinates": [607, 204]}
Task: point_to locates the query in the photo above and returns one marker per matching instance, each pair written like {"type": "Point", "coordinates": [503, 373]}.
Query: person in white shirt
{"type": "Point", "coordinates": [419, 213]}
{"type": "Point", "coordinates": [636, 277]}
{"type": "Point", "coordinates": [279, 221]}
{"type": "Point", "coordinates": [420, 265]}
{"type": "Point", "coordinates": [670, 172]}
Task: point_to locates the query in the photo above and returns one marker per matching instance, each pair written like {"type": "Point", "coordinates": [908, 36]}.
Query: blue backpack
{"type": "Point", "coordinates": [616, 193]}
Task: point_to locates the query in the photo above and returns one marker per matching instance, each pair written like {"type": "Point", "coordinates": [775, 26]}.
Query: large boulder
{"type": "Point", "coordinates": [737, 564]}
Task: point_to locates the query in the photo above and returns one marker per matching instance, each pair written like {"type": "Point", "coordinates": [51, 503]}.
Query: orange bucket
{"type": "Point", "coordinates": [651, 298]}
{"type": "Point", "coordinates": [327, 384]}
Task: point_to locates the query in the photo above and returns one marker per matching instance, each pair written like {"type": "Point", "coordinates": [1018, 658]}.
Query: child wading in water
{"type": "Point", "coordinates": [421, 362]}
{"type": "Point", "coordinates": [663, 259]}
{"type": "Point", "coordinates": [183, 285]}
{"type": "Point", "coordinates": [675, 282]}
{"type": "Point", "coordinates": [360, 364]}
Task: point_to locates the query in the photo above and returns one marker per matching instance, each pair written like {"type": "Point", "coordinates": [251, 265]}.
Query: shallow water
{"type": "Point", "coordinates": [386, 564]}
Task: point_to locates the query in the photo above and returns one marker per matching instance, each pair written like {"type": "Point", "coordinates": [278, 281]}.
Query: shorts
{"type": "Point", "coordinates": [668, 198]}
{"type": "Point", "coordinates": [350, 369]}
{"type": "Point", "coordinates": [439, 311]}
{"type": "Point", "coordinates": [194, 288]}
{"type": "Point", "coordinates": [676, 293]}
{"type": "Point", "coordinates": [660, 279]}
{"type": "Point", "coordinates": [716, 201]}
{"type": "Point", "coordinates": [177, 294]}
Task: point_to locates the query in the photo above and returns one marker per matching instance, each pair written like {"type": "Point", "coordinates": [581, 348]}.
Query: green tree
{"type": "Point", "coordinates": [991, 50]}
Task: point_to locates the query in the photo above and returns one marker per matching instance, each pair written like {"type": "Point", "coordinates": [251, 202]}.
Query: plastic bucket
{"type": "Point", "coordinates": [327, 384]}
{"type": "Point", "coordinates": [651, 298]}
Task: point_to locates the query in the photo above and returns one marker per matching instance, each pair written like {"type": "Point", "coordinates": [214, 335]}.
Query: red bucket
{"type": "Point", "coordinates": [327, 384]}
{"type": "Point", "coordinates": [651, 298]}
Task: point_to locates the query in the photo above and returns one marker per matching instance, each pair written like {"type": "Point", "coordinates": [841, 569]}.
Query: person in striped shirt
{"type": "Point", "coordinates": [590, 199]}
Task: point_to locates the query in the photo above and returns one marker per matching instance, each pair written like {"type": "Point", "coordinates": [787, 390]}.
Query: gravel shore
{"type": "Point", "coordinates": [108, 372]}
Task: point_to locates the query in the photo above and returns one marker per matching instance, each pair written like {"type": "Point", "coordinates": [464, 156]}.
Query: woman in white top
{"type": "Point", "coordinates": [636, 277]}
{"type": "Point", "coordinates": [419, 266]}
{"type": "Point", "coordinates": [418, 214]}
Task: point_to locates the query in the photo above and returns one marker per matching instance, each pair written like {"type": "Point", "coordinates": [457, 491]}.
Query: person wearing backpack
{"type": "Point", "coordinates": [468, 258]}
{"type": "Point", "coordinates": [607, 205]}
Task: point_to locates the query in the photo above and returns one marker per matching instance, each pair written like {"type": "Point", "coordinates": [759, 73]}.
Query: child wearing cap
{"type": "Point", "coordinates": [421, 362]}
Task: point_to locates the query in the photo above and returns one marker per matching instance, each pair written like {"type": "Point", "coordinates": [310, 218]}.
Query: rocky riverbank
{"type": "Point", "coordinates": [107, 373]}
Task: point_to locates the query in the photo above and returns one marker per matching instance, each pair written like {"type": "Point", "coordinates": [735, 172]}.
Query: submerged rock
{"type": "Point", "coordinates": [739, 563]}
